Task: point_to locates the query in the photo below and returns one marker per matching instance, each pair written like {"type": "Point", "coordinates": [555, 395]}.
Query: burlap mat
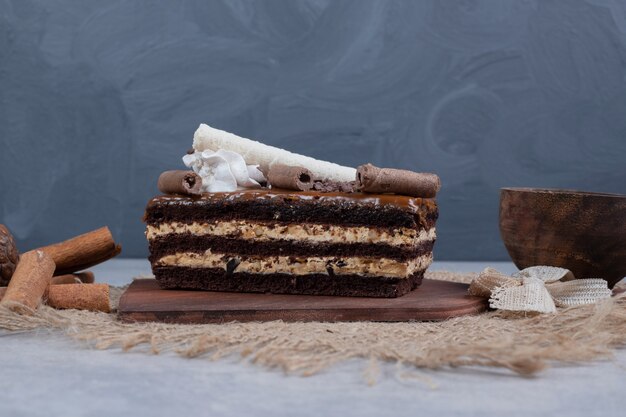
{"type": "Point", "coordinates": [522, 343]}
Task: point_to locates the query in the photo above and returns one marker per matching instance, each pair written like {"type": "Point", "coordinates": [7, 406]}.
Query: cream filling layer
{"type": "Point", "coordinates": [315, 233]}
{"type": "Point", "coordinates": [301, 265]}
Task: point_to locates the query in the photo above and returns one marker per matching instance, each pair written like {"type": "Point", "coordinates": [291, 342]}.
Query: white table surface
{"type": "Point", "coordinates": [46, 374]}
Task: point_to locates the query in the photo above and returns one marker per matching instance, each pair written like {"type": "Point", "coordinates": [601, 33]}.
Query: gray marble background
{"type": "Point", "coordinates": [97, 98]}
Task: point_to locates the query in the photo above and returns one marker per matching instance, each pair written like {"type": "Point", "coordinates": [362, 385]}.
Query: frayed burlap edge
{"type": "Point", "coordinates": [522, 343]}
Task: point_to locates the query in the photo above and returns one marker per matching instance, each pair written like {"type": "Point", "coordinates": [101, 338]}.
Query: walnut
{"type": "Point", "coordinates": [8, 256]}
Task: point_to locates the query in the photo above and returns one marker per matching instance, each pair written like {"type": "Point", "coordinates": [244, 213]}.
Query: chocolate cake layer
{"type": "Point", "coordinates": [353, 209]}
{"type": "Point", "coordinates": [186, 242]}
{"type": "Point", "coordinates": [217, 279]}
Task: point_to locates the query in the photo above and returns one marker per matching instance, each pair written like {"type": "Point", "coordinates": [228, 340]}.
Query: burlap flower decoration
{"type": "Point", "coordinates": [537, 289]}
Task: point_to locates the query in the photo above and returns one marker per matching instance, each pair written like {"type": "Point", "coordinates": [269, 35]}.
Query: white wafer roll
{"type": "Point", "coordinates": [256, 153]}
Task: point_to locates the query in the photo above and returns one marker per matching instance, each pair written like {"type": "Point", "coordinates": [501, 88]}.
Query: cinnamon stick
{"type": "Point", "coordinates": [65, 279]}
{"type": "Point", "coordinates": [371, 179]}
{"type": "Point", "coordinates": [85, 277]}
{"type": "Point", "coordinates": [92, 297]}
{"type": "Point", "coordinates": [29, 282]}
{"type": "Point", "coordinates": [289, 177]}
{"type": "Point", "coordinates": [83, 251]}
{"type": "Point", "coordinates": [180, 182]}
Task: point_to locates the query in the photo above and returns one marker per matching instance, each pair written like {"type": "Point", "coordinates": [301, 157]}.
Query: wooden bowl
{"type": "Point", "coordinates": [581, 231]}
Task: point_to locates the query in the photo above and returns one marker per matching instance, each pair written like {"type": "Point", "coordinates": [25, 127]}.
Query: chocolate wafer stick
{"type": "Point", "coordinates": [290, 177]}
{"type": "Point", "coordinates": [255, 153]}
{"type": "Point", "coordinates": [371, 179]}
{"type": "Point", "coordinates": [180, 182]}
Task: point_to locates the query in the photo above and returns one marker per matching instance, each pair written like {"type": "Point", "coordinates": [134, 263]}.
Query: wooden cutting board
{"type": "Point", "coordinates": [433, 300]}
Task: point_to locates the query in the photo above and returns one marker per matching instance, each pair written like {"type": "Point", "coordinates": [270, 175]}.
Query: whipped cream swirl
{"type": "Point", "coordinates": [223, 171]}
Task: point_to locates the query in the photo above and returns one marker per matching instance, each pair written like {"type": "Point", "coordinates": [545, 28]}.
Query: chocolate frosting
{"type": "Point", "coordinates": [411, 204]}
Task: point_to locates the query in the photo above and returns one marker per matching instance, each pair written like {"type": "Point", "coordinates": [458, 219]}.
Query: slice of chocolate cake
{"type": "Point", "coordinates": [291, 242]}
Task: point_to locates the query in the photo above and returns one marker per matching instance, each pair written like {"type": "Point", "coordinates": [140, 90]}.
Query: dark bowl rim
{"type": "Point", "coordinates": [561, 191]}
